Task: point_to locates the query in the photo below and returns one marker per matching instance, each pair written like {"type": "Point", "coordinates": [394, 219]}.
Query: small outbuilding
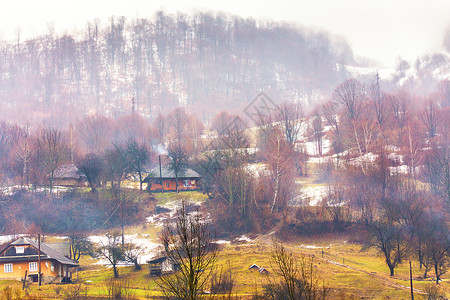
{"type": "Point", "coordinates": [162, 265]}
{"type": "Point", "coordinates": [68, 175]}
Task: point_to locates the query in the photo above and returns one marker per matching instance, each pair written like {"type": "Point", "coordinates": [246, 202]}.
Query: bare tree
{"type": "Point", "coordinates": [116, 165]}
{"type": "Point", "coordinates": [317, 127]}
{"type": "Point", "coordinates": [178, 120]}
{"type": "Point", "coordinates": [80, 245]}
{"type": "Point", "coordinates": [430, 118]}
{"type": "Point", "coordinates": [221, 121]}
{"type": "Point", "coordinates": [329, 110]}
{"type": "Point", "coordinates": [190, 244]}
{"type": "Point", "coordinates": [298, 277]}
{"type": "Point", "coordinates": [291, 118]}
{"type": "Point", "coordinates": [335, 203]}
{"type": "Point", "coordinates": [388, 239]}
{"type": "Point", "coordinates": [91, 166]}
{"type": "Point", "coordinates": [444, 92]}
{"type": "Point", "coordinates": [131, 253]}
{"type": "Point", "coordinates": [138, 156]}
{"type": "Point", "coordinates": [160, 125]}
{"type": "Point", "coordinates": [379, 102]}
{"type": "Point", "coordinates": [437, 170]}
{"type": "Point", "coordinates": [178, 160]}
{"type": "Point", "coordinates": [350, 95]}
{"type": "Point", "coordinates": [437, 246]}
{"type": "Point", "coordinates": [95, 132]}
{"type": "Point", "coordinates": [52, 152]}
{"type": "Point", "coordinates": [111, 250]}
{"type": "Point", "coordinates": [279, 158]}
{"type": "Point", "coordinates": [23, 154]}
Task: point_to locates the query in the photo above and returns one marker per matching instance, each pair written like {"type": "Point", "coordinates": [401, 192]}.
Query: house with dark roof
{"type": "Point", "coordinates": [68, 175]}
{"type": "Point", "coordinates": [21, 258]}
{"type": "Point", "coordinates": [187, 181]}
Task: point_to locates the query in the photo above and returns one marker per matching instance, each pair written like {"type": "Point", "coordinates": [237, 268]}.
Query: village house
{"type": "Point", "coordinates": [68, 175]}
{"type": "Point", "coordinates": [162, 265]}
{"type": "Point", "coordinates": [188, 181]}
{"type": "Point", "coordinates": [19, 259]}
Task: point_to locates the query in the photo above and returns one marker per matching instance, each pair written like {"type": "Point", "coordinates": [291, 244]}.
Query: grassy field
{"type": "Point", "coordinates": [348, 272]}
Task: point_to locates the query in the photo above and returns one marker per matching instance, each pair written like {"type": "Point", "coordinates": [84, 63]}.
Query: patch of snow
{"type": "Point", "coordinates": [309, 196]}
{"type": "Point", "coordinates": [403, 169]}
{"type": "Point", "coordinates": [244, 238]}
{"type": "Point", "coordinates": [315, 247]}
{"type": "Point", "coordinates": [220, 242]}
{"type": "Point", "coordinates": [148, 248]}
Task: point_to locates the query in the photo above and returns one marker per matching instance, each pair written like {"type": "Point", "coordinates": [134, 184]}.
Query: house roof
{"type": "Point", "coordinates": [157, 260]}
{"type": "Point", "coordinates": [45, 249]}
{"type": "Point", "coordinates": [67, 171]}
{"type": "Point", "coordinates": [160, 259]}
{"type": "Point", "coordinates": [166, 172]}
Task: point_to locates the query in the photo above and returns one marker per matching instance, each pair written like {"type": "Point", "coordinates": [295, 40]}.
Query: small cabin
{"type": "Point", "coordinates": [162, 265]}
{"type": "Point", "coordinates": [68, 175]}
{"type": "Point", "coordinates": [20, 259]}
{"type": "Point", "coordinates": [166, 180]}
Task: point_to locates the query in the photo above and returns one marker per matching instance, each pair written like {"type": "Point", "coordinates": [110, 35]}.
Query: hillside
{"type": "Point", "coordinates": [165, 62]}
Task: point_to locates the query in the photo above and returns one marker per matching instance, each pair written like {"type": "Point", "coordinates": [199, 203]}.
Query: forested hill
{"type": "Point", "coordinates": [207, 62]}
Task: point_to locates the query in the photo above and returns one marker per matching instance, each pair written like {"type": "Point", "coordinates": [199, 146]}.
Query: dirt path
{"type": "Point", "coordinates": [267, 239]}
{"type": "Point", "coordinates": [383, 279]}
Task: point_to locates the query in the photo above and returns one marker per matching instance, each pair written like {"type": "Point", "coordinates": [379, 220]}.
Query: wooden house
{"type": "Point", "coordinates": [162, 265]}
{"type": "Point", "coordinates": [21, 257]}
{"type": "Point", "coordinates": [187, 181]}
{"type": "Point", "coordinates": [68, 175]}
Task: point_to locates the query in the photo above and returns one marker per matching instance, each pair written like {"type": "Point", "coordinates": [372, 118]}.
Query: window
{"type": "Point", "coordinates": [8, 268]}
{"type": "Point", "coordinates": [168, 184]}
{"type": "Point", "coordinates": [189, 183]}
{"type": "Point", "coordinates": [52, 267]}
{"type": "Point", "coordinates": [20, 250]}
{"type": "Point", "coordinates": [32, 266]}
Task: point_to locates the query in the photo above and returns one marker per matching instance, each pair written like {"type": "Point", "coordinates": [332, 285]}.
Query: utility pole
{"type": "Point", "coordinates": [410, 280]}
{"type": "Point", "coordinates": [39, 259]}
{"type": "Point", "coordinates": [121, 210]}
{"type": "Point", "coordinates": [160, 175]}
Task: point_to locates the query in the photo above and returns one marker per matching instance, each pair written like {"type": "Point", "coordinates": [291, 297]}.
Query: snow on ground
{"type": "Point", "coordinates": [148, 248]}
{"type": "Point", "coordinates": [10, 190]}
{"type": "Point", "coordinates": [244, 238]}
{"type": "Point", "coordinates": [315, 247]}
{"type": "Point", "coordinates": [257, 169]}
{"type": "Point", "coordinates": [220, 242]}
{"type": "Point", "coordinates": [403, 169]}
{"type": "Point", "coordinates": [309, 196]}
{"type": "Point", "coordinates": [312, 149]}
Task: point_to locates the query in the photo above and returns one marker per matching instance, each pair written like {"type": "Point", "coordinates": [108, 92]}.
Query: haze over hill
{"type": "Point", "coordinates": [207, 62]}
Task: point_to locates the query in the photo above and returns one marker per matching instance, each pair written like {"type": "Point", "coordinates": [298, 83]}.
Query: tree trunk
{"type": "Point", "coordinates": [116, 273]}
{"type": "Point", "coordinates": [137, 266]}
{"type": "Point", "coordinates": [436, 271]}
{"type": "Point", "coordinates": [277, 183]}
{"type": "Point", "coordinates": [140, 179]}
